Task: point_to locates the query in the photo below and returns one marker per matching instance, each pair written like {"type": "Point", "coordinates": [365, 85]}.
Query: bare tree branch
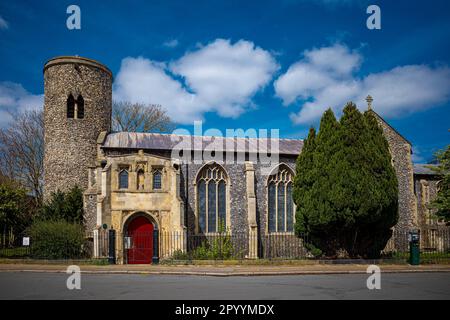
{"type": "Point", "coordinates": [136, 117]}
{"type": "Point", "coordinates": [22, 152]}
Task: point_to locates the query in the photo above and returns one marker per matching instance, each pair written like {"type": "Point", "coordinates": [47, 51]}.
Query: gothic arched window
{"type": "Point", "coordinates": [211, 199]}
{"type": "Point", "coordinates": [157, 179]}
{"type": "Point", "coordinates": [70, 106]}
{"type": "Point", "coordinates": [279, 201]}
{"type": "Point", "coordinates": [123, 179]}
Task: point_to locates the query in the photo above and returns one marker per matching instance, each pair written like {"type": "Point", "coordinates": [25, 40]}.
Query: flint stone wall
{"type": "Point", "coordinates": [400, 150]}
{"type": "Point", "coordinates": [70, 144]}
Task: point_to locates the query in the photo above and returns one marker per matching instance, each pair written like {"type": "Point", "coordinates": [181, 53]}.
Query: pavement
{"type": "Point", "coordinates": [224, 270]}
{"type": "Point", "coordinates": [33, 285]}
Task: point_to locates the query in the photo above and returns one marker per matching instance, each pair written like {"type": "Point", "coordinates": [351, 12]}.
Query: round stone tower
{"type": "Point", "coordinates": [77, 107]}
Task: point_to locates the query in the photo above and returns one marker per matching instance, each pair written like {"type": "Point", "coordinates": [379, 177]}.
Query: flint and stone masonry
{"type": "Point", "coordinates": [70, 143]}
{"type": "Point", "coordinates": [118, 170]}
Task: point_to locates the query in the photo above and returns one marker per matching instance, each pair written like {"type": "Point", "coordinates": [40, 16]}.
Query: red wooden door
{"type": "Point", "coordinates": [140, 230]}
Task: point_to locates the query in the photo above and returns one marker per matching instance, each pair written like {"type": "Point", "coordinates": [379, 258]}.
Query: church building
{"type": "Point", "coordinates": [147, 185]}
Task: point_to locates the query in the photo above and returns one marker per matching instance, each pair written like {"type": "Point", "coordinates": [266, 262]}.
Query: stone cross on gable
{"type": "Point", "coordinates": [369, 100]}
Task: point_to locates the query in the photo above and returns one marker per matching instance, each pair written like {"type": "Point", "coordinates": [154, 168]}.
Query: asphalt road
{"type": "Point", "coordinates": [28, 285]}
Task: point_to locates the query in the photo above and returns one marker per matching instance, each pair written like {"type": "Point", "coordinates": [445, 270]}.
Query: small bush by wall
{"type": "Point", "coordinates": [219, 248]}
{"type": "Point", "coordinates": [57, 240]}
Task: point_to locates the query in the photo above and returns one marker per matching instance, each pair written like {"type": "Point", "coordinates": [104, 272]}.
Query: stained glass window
{"type": "Point", "coordinates": [280, 205]}
{"type": "Point", "coordinates": [222, 206]}
{"type": "Point", "coordinates": [202, 206]}
{"type": "Point", "coordinates": [212, 209]}
{"type": "Point", "coordinates": [212, 205]}
{"type": "Point", "coordinates": [289, 209]}
{"type": "Point", "coordinates": [281, 208]}
{"type": "Point", "coordinates": [272, 208]}
{"type": "Point", "coordinates": [123, 179]}
{"type": "Point", "coordinates": [157, 179]}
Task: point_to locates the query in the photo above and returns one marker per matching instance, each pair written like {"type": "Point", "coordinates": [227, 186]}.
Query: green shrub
{"type": "Point", "coordinates": [14, 212]}
{"type": "Point", "coordinates": [57, 240]}
{"type": "Point", "coordinates": [316, 252]}
{"type": "Point", "coordinates": [202, 252]}
{"type": "Point", "coordinates": [180, 255]}
{"type": "Point", "coordinates": [66, 206]}
{"type": "Point", "coordinates": [219, 248]}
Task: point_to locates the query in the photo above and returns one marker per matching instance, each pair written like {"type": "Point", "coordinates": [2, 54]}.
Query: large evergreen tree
{"type": "Point", "coordinates": [345, 187]}
{"type": "Point", "coordinates": [303, 182]}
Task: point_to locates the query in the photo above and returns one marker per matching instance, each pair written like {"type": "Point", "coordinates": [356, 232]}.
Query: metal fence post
{"type": "Point", "coordinates": [96, 244]}
{"type": "Point", "coordinates": [112, 247]}
{"type": "Point", "coordinates": [155, 259]}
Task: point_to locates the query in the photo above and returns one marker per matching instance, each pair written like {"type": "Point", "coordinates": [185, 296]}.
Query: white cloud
{"type": "Point", "coordinates": [226, 76]}
{"type": "Point", "coordinates": [299, 82]}
{"type": "Point", "coordinates": [145, 81]}
{"type": "Point", "coordinates": [14, 98]}
{"type": "Point", "coordinates": [220, 77]}
{"type": "Point", "coordinates": [335, 96]}
{"type": "Point", "coordinates": [325, 78]}
{"type": "Point", "coordinates": [318, 70]}
{"type": "Point", "coordinates": [171, 43]}
{"type": "Point", "coordinates": [407, 89]}
{"type": "Point", "coordinates": [3, 23]}
{"type": "Point", "coordinates": [338, 59]}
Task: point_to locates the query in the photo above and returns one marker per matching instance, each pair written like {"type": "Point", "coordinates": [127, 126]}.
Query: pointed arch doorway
{"type": "Point", "coordinates": [139, 239]}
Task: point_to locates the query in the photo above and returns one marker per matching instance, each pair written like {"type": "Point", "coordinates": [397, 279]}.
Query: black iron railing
{"type": "Point", "coordinates": [57, 248]}
{"type": "Point", "coordinates": [434, 246]}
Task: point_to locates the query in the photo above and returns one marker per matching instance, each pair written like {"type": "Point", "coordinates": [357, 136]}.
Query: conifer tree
{"type": "Point", "coordinates": [304, 181]}
{"type": "Point", "coordinates": [345, 188]}
{"type": "Point", "coordinates": [381, 203]}
{"type": "Point", "coordinates": [315, 216]}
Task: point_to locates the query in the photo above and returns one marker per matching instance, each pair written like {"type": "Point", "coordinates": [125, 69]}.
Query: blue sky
{"type": "Point", "coordinates": [252, 64]}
